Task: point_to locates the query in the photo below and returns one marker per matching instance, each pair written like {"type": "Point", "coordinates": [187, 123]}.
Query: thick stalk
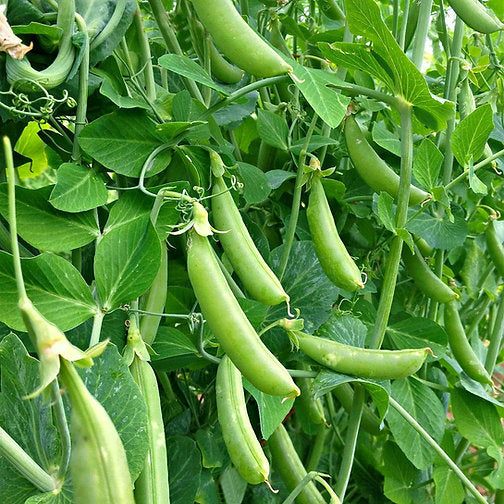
{"type": "Point", "coordinates": [422, 29]}
{"type": "Point", "coordinates": [434, 445]}
{"type": "Point", "coordinates": [96, 331]}
{"type": "Point", "coordinates": [24, 463]}
{"type": "Point", "coordinates": [145, 57]}
{"type": "Point", "coordinates": [495, 338]}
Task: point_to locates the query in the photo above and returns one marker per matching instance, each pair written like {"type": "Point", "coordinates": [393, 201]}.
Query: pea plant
{"type": "Point", "coordinates": [251, 252]}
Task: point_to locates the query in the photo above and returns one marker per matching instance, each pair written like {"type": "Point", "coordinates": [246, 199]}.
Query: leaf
{"type": "Point", "coordinates": [470, 135]}
{"type": "Point", "coordinates": [272, 409]}
{"type": "Point", "coordinates": [427, 164]}
{"type": "Point", "coordinates": [272, 129]}
{"type": "Point", "coordinates": [122, 141]}
{"type": "Point", "coordinates": [344, 328]}
{"type": "Point", "coordinates": [45, 227]}
{"type": "Point", "coordinates": [449, 489]}
{"type": "Point", "coordinates": [384, 209]}
{"type": "Point", "coordinates": [173, 349]}
{"type": "Point", "coordinates": [315, 143]}
{"type": "Point", "coordinates": [78, 189]}
{"type": "Point", "coordinates": [184, 469]}
{"type": "Point", "coordinates": [423, 404]}
{"type": "Point", "coordinates": [211, 445]}
{"type": "Point", "coordinates": [31, 146]}
{"type": "Point", "coordinates": [277, 177]}
{"type": "Point", "coordinates": [256, 188]}
{"type": "Point", "coordinates": [233, 486]}
{"type": "Point", "coordinates": [328, 103]}
{"type": "Point", "coordinates": [386, 139]}
{"type": "Point", "coordinates": [186, 67]}
{"type": "Point", "coordinates": [126, 262]}
{"type": "Point", "coordinates": [417, 332]}
{"type": "Point", "coordinates": [55, 287]}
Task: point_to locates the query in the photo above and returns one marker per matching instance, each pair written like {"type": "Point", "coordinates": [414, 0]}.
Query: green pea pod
{"type": "Point", "coordinates": [230, 325]}
{"type": "Point", "coordinates": [368, 363]}
{"type": "Point", "coordinates": [331, 9]}
{"type": "Point", "coordinates": [288, 464]}
{"type": "Point", "coordinates": [222, 69]}
{"type": "Point", "coordinates": [412, 22]}
{"type": "Point", "coordinates": [151, 487]}
{"type": "Point", "coordinates": [310, 408]}
{"type": "Point", "coordinates": [331, 252]}
{"type": "Point", "coordinates": [98, 463]}
{"type": "Point", "coordinates": [476, 16]}
{"type": "Point", "coordinates": [371, 168]}
{"type": "Point", "coordinates": [237, 40]}
{"type": "Point", "coordinates": [257, 277]}
{"type": "Point", "coordinates": [369, 421]}
{"type": "Point", "coordinates": [20, 72]}
{"type": "Point", "coordinates": [429, 283]}
{"type": "Point", "coordinates": [495, 248]}
{"type": "Point", "coordinates": [241, 442]}
{"type": "Point", "coordinates": [459, 344]}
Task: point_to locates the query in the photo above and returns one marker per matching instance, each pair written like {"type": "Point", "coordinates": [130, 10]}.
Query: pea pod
{"type": "Point", "coordinates": [371, 168]}
{"type": "Point", "coordinates": [98, 463]}
{"type": "Point", "coordinates": [310, 408]}
{"type": "Point", "coordinates": [460, 346]}
{"type": "Point", "coordinates": [476, 16]}
{"type": "Point", "coordinates": [230, 325]}
{"type": "Point", "coordinates": [288, 464]}
{"type": "Point", "coordinates": [257, 277]}
{"type": "Point", "coordinates": [20, 72]}
{"type": "Point", "coordinates": [237, 40]}
{"type": "Point", "coordinates": [331, 252]}
{"type": "Point", "coordinates": [368, 363]}
{"type": "Point", "coordinates": [331, 9]}
{"type": "Point", "coordinates": [241, 442]}
{"type": "Point", "coordinates": [151, 487]}
{"type": "Point", "coordinates": [495, 248]}
{"type": "Point", "coordinates": [429, 283]}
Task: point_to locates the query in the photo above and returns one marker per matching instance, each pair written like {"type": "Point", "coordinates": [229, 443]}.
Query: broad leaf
{"type": "Point", "coordinates": [427, 164]}
{"type": "Point", "coordinates": [272, 129]}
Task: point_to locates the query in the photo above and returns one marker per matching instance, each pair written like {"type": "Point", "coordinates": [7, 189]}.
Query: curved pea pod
{"type": "Point", "coordinates": [310, 408]}
{"type": "Point", "coordinates": [151, 487]}
{"type": "Point", "coordinates": [257, 277]}
{"type": "Point", "coordinates": [372, 169]}
{"type": "Point", "coordinates": [331, 252]}
{"type": "Point", "coordinates": [459, 344]}
{"type": "Point", "coordinates": [369, 421]}
{"type": "Point", "coordinates": [476, 16]}
{"type": "Point", "coordinates": [288, 464]}
{"type": "Point", "coordinates": [237, 40]}
{"type": "Point", "coordinates": [98, 463]}
{"type": "Point", "coordinates": [222, 69]}
{"type": "Point", "coordinates": [241, 442]}
{"type": "Point", "coordinates": [495, 248]}
{"type": "Point", "coordinates": [425, 279]}
{"type": "Point", "coordinates": [20, 72]}
{"type": "Point", "coordinates": [365, 362]}
{"type": "Point", "coordinates": [331, 9]}
{"type": "Point", "coordinates": [230, 325]}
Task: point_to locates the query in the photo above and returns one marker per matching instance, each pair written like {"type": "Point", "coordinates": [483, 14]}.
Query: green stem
{"type": "Point", "coordinates": [422, 29]}
{"type": "Point", "coordinates": [97, 325]}
{"type": "Point", "coordinates": [296, 199]}
{"type": "Point", "coordinates": [404, 25]}
{"type": "Point", "coordinates": [28, 468]}
{"type": "Point", "coordinates": [82, 99]}
{"type": "Point", "coordinates": [145, 57]}
{"type": "Point", "coordinates": [395, 18]}
{"type": "Point", "coordinates": [112, 24]}
{"type": "Point", "coordinates": [495, 338]}
{"type": "Point", "coordinates": [63, 430]}
{"type": "Point", "coordinates": [318, 448]}
{"type": "Point", "coordinates": [442, 454]}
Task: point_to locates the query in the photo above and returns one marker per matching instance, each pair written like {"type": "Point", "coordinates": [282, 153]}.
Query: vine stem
{"type": "Point", "coordinates": [434, 445]}
{"type": "Point", "coordinates": [62, 426]}
{"type": "Point", "coordinates": [422, 29]}
{"type": "Point", "coordinates": [10, 449]}
{"type": "Point", "coordinates": [145, 57]}
{"type": "Point", "coordinates": [404, 25]}
{"type": "Point", "coordinates": [97, 325]}
{"type": "Point", "coordinates": [495, 338]}
{"type": "Point", "coordinates": [82, 99]}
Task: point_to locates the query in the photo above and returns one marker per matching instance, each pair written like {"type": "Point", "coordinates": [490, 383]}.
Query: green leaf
{"type": "Point", "coordinates": [184, 469]}
{"type": "Point", "coordinates": [272, 129]}
{"type": "Point", "coordinates": [277, 177]}
{"type": "Point", "coordinates": [256, 188]}
{"type": "Point", "coordinates": [45, 227]}
{"type": "Point", "coordinates": [55, 287]}
{"type": "Point", "coordinates": [211, 445]}
{"type": "Point", "coordinates": [427, 164]}
{"type": "Point", "coordinates": [449, 489]}
{"type": "Point", "coordinates": [315, 143]}
{"type": "Point", "coordinates": [173, 349]}
{"type": "Point", "coordinates": [384, 209]}
{"type": "Point", "coordinates": [122, 141]}
{"type": "Point", "coordinates": [469, 137]}
{"type": "Point", "coordinates": [78, 189]}
{"type": "Point", "coordinates": [423, 404]}
{"type": "Point", "coordinates": [386, 139]}
{"type": "Point", "coordinates": [233, 486]}
{"type": "Point", "coordinates": [126, 262]}
{"type": "Point", "coordinates": [186, 67]}
{"type": "Point", "coordinates": [344, 328]}
{"type": "Point", "coordinates": [272, 409]}
{"type": "Point", "coordinates": [328, 103]}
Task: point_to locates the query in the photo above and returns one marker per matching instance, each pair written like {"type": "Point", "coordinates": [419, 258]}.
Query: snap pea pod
{"type": "Point", "coordinates": [151, 487]}
{"type": "Point", "coordinates": [310, 408]}
{"type": "Point", "coordinates": [331, 9]}
{"type": "Point", "coordinates": [288, 464]}
{"type": "Point", "coordinates": [495, 248]}
{"type": "Point", "coordinates": [257, 277]}
{"type": "Point", "coordinates": [476, 16]}
{"type": "Point", "coordinates": [371, 168]}
{"type": "Point", "coordinates": [365, 362]}
{"type": "Point", "coordinates": [20, 72]}
{"type": "Point", "coordinates": [241, 442]}
{"type": "Point", "coordinates": [459, 344]}
{"type": "Point", "coordinates": [331, 252]}
{"type": "Point", "coordinates": [230, 325]}
{"type": "Point", "coordinates": [425, 279]}
{"type": "Point", "coordinates": [98, 462]}
{"type": "Point", "coordinates": [237, 40]}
